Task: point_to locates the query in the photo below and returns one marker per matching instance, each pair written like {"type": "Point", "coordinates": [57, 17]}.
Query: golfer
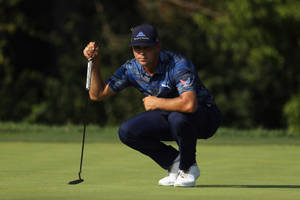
{"type": "Point", "coordinates": [178, 106]}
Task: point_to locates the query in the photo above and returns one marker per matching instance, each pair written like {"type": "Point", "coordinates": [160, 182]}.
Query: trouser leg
{"type": "Point", "coordinates": [183, 129]}
{"type": "Point", "coordinates": [186, 128]}
{"type": "Point", "coordinates": [144, 132]}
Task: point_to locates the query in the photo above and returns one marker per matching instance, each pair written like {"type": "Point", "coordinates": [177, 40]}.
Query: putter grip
{"type": "Point", "coordinates": [88, 75]}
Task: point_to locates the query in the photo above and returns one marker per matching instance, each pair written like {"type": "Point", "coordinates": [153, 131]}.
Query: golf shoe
{"type": "Point", "coordinates": [172, 174]}
{"type": "Point", "coordinates": [187, 178]}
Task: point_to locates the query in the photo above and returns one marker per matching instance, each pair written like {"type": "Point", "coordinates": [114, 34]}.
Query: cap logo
{"type": "Point", "coordinates": [144, 35]}
{"type": "Point", "coordinates": [140, 34]}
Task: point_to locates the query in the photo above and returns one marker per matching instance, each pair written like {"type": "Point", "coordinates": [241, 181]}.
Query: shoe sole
{"type": "Point", "coordinates": [185, 185]}
{"type": "Point", "coordinates": [192, 184]}
{"type": "Point", "coordinates": [166, 184]}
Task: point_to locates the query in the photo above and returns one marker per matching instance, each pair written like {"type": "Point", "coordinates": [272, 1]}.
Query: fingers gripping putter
{"type": "Point", "coordinates": [87, 87]}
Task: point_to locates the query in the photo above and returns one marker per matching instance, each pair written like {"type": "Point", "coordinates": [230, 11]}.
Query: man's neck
{"type": "Point", "coordinates": [152, 68]}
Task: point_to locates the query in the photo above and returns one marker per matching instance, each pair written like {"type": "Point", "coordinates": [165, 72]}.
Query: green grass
{"type": "Point", "coordinates": [36, 162]}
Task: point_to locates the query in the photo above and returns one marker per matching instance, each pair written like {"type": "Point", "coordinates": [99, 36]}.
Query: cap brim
{"type": "Point", "coordinates": [146, 44]}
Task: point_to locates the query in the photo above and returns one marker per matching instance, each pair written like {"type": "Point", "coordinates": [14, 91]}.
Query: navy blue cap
{"type": "Point", "coordinates": [144, 35]}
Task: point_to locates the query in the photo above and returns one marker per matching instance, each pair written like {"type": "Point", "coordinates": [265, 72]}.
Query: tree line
{"type": "Point", "coordinates": [246, 53]}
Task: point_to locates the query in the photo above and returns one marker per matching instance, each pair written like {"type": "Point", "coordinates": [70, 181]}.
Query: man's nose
{"type": "Point", "coordinates": [141, 51]}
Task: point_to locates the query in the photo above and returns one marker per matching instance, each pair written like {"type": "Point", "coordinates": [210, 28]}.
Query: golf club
{"type": "Point", "coordinates": [87, 87]}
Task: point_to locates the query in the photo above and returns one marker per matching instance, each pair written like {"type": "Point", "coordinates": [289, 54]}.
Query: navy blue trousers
{"type": "Point", "coordinates": [146, 131]}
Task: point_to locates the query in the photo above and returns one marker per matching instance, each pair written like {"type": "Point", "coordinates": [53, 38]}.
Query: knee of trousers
{"type": "Point", "coordinates": [125, 134]}
{"type": "Point", "coordinates": [179, 122]}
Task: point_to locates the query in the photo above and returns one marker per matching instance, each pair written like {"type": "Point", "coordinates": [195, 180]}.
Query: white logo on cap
{"type": "Point", "coordinates": [140, 34]}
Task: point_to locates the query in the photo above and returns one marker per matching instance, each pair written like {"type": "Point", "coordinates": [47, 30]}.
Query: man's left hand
{"type": "Point", "coordinates": [150, 103]}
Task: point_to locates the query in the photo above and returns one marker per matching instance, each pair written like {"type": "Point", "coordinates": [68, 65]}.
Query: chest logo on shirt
{"type": "Point", "coordinates": [183, 82]}
{"type": "Point", "coordinates": [165, 85]}
{"type": "Point", "coordinates": [187, 82]}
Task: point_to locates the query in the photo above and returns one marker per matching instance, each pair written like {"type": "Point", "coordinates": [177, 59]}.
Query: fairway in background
{"type": "Point", "coordinates": [24, 132]}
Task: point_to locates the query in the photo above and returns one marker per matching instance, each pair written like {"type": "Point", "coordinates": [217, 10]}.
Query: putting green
{"type": "Point", "coordinates": [41, 170]}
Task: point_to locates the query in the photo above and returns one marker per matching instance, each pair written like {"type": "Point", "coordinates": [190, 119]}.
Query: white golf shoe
{"type": "Point", "coordinates": [187, 178]}
{"type": "Point", "coordinates": [172, 174]}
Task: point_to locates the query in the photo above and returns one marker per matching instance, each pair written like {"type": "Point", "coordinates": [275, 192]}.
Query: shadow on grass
{"type": "Point", "coordinates": [249, 186]}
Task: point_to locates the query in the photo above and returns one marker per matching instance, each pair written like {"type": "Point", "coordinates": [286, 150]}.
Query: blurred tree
{"type": "Point", "coordinates": [259, 42]}
{"type": "Point", "coordinates": [21, 45]}
{"type": "Point", "coordinates": [246, 53]}
{"type": "Point", "coordinates": [292, 113]}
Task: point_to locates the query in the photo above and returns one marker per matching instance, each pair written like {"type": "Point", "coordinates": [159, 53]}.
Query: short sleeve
{"type": "Point", "coordinates": [184, 77]}
{"type": "Point", "coordinates": [119, 79]}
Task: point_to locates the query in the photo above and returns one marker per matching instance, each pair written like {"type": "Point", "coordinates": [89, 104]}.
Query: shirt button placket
{"type": "Point", "coordinates": [147, 79]}
{"type": "Point", "coordinates": [153, 86]}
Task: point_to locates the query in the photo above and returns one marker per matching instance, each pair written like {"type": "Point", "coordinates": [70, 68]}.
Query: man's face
{"type": "Point", "coordinates": [147, 56]}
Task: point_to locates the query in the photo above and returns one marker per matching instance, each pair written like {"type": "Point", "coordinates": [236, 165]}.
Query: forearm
{"type": "Point", "coordinates": [184, 103]}
{"type": "Point", "coordinates": [97, 83]}
{"type": "Point", "coordinates": [98, 90]}
{"type": "Point", "coordinates": [175, 104]}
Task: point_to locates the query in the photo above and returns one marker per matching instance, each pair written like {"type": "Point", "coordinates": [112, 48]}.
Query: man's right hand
{"type": "Point", "coordinates": [99, 90]}
{"type": "Point", "coordinates": [91, 51]}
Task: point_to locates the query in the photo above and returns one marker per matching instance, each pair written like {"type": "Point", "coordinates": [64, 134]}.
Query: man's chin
{"type": "Point", "coordinates": [144, 63]}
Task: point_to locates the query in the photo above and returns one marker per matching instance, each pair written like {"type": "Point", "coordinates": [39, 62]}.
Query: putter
{"type": "Point", "coordinates": [87, 87]}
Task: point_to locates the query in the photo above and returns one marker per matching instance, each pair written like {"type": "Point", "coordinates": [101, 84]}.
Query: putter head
{"type": "Point", "coordinates": [76, 182]}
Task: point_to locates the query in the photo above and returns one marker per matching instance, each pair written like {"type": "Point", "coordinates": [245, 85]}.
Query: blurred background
{"type": "Point", "coordinates": [247, 53]}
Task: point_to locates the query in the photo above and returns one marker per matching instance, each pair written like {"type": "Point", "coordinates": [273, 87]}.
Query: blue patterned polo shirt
{"type": "Point", "coordinates": [173, 76]}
